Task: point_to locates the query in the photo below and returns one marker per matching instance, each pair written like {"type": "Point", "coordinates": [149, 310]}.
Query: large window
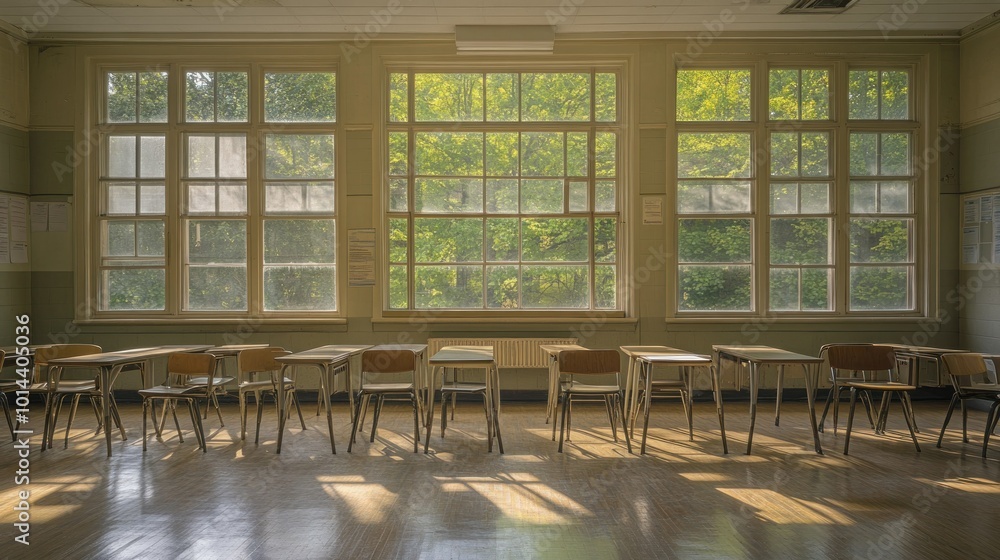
{"type": "Point", "coordinates": [503, 190]}
{"type": "Point", "coordinates": [219, 201]}
{"type": "Point", "coordinates": [768, 173]}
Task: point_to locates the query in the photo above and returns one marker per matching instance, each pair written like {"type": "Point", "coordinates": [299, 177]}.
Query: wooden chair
{"type": "Point", "coordinates": [871, 361]}
{"type": "Point", "coordinates": [840, 375]}
{"type": "Point", "coordinates": [971, 380]}
{"type": "Point", "coordinates": [181, 367]}
{"type": "Point", "coordinates": [582, 363]}
{"type": "Point", "coordinates": [376, 362]}
{"type": "Point", "coordinates": [251, 364]}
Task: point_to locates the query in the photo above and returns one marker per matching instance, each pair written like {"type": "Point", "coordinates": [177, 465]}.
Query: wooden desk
{"type": "Point", "coordinates": [110, 364]}
{"type": "Point", "coordinates": [468, 357]}
{"type": "Point", "coordinates": [421, 380]}
{"type": "Point", "coordinates": [553, 350]}
{"type": "Point", "coordinates": [754, 356]}
{"type": "Point", "coordinates": [912, 356]}
{"type": "Point", "coordinates": [686, 362]}
{"type": "Point", "coordinates": [327, 359]}
{"type": "Point", "coordinates": [632, 374]}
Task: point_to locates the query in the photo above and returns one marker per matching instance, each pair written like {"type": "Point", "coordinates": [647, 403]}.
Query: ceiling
{"type": "Point", "coordinates": [53, 18]}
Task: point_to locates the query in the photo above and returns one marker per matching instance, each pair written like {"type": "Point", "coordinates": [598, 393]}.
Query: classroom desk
{"type": "Point", "coordinates": [468, 357]}
{"type": "Point", "coordinates": [421, 380]}
{"type": "Point", "coordinates": [327, 359]}
{"type": "Point", "coordinates": [553, 350]}
{"type": "Point", "coordinates": [754, 356]}
{"type": "Point", "coordinates": [646, 360]}
{"type": "Point", "coordinates": [632, 374]}
{"type": "Point", "coordinates": [110, 364]}
{"type": "Point", "coordinates": [912, 355]}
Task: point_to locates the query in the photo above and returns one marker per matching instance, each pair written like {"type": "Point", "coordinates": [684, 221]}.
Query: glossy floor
{"type": "Point", "coordinates": [683, 500]}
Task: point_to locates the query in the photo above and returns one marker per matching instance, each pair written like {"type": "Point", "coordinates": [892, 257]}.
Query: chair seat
{"type": "Point", "coordinates": [216, 381]}
{"type": "Point", "coordinates": [263, 384]}
{"type": "Point", "coordinates": [880, 386]}
{"type": "Point", "coordinates": [984, 387]}
{"type": "Point", "coordinates": [388, 388]}
{"type": "Point", "coordinates": [580, 389]}
{"type": "Point", "coordinates": [165, 391]}
{"type": "Point", "coordinates": [465, 388]}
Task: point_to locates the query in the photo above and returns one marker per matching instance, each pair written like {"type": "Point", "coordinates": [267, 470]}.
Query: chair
{"type": "Point", "coordinates": [574, 363]}
{"type": "Point", "coordinates": [661, 389]}
{"type": "Point", "coordinates": [386, 362]}
{"type": "Point", "coordinates": [181, 367]}
{"type": "Point", "coordinates": [256, 362]}
{"type": "Point", "coordinates": [55, 389]}
{"type": "Point", "coordinates": [450, 391]}
{"type": "Point", "coordinates": [869, 361]}
{"type": "Point", "coordinates": [218, 387]}
{"type": "Point", "coordinates": [971, 380]}
{"type": "Point", "coordinates": [836, 385]}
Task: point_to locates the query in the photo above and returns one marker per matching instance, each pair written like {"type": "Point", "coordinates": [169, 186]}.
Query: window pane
{"type": "Point", "coordinates": [150, 239]}
{"type": "Point", "coordinates": [299, 241]}
{"type": "Point", "coordinates": [152, 199]}
{"type": "Point", "coordinates": [232, 156]}
{"type": "Point", "coordinates": [895, 154]}
{"type": "Point", "coordinates": [152, 97]}
{"type": "Point", "coordinates": [502, 240]}
{"type": "Point", "coordinates": [815, 159]}
{"type": "Point", "coordinates": [502, 97]}
{"type": "Point", "coordinates": [724, 197]}
{"type": "Point", "coordinates": [448, 287]}
{"type": "Point", "coordinates": [785, 154]}
{"type": "Point", "coordinates": [815, 198]}
{"type": "Point", "coordinates": [303, 198]}
{"type": "Point", "coordinates": [233, 199]}
{"type": "Point", "coordinates": [800, 241]}
{"type": "Point", "coordinates": [555, 287]}
{"type": "Point", "coordinates": [713, 155]}
{"type": "Point", "coordinates": [783, 94]}
{"type": "Point", "coordinates": [881, 288]}
{"type": "Point", "coordinates": [201, 198]}
{"type": "Point", "coordinates": [398, 286]}
{"type": "Point", "coordinates": [795, 154]}
{"type": "Point", "coordinates": [502, 154]}
{"type": "Point", "coordinates": [881, 240]}
{"type": "Point", "coordinates": [300, 288]}
{"type": "Point", "coordinates": [121, 156]}
{"type": "Point", "coordinates": [398, 240]}
{"type": "Point", "coordinates": [542, 196]}
{"type": "Point", "coordinates": [501, 196]}
{"type": "Point", "coordinates": [542, 154]}
{"type": "Point", "coordinates": [578, 196]}
{"type": "Point", "coordinates": [895, 94]}
{"type": "Point", "coordinates": [605, 154]}
{"type": "Point", "coordinates": [201, 156]}
{"type": "Point", "coordinates": [121, 239]}
{"type": "Point", "coordinates": [399, 156]}
{"type": "Point", "coordinates": [152, 156]}
{"type": "Point", "coordinates": [555, 97]}
{"type": "Point", "coordinates": [815, 95]}
{"type": "Point", "coordinates": [441, 240]}
{"type": "Point", "coordinates": [449, 153]}
{"type": "Point", "coordinates": [555, 239]}
{"type": "Point", "coordinates": [578, 154]}
{"type": "Point", "coordinates": [605, 97]}
{"type": "Point", "coordinates": [715, 240]}
{"type": "Point", "coordinates": [894, 197]}
{"type": "Point", "coordinates": [864, 154]}
{"type": "Point", "coordinates": [398, 97]}
{"type": "Point", "coordinates": [121, 199]}
{"type": "Point", "coordinates": [502, 287]}
{"type": "Point", "coordinates": [199, 100]}
{"type": "Point", "coordinates": [784, 289]}
{"type": "Point", "coordinates": [299, 156]}
{"type": "Point", "coordinates": [863, 94]}
{"type": "Point", "coordinates": [800, 289]}
{"type": "Point", "coordinates": [232, 96]}
{"type": "Point", "coordinates": [605, 287]}
{"type": "Point", "coordinates": [135, 289]}
{"type": "Point", "coordinates": [121, 91]}
{"type": "Point", "coordinates": [300, 97]}
{"type": "Point", "coordinates": [713, 95]}
{"type": "Point", "coordinates": [398, 197]}
{"type": "Point", "coordinates": [217, 241]}
{"type": "Point", "coordinates": [217, 288]}
{"type": "Point", "coordinates": [605, 199]}
{"type": "Point", "coordinates": [605, 239]}
{"type": "Point", "coordinates": [448, 97]}
{"type": "Point", "coordinates": [448, 195]}
{"type": "Point", "coordinates": [714, 288]}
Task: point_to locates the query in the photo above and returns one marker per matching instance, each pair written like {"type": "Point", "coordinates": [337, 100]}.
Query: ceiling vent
{"type": "Point", "coordinates": [818, 6]}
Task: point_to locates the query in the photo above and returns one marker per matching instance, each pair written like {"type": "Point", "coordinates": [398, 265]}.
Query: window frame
{"type": "Point", "coordinates": [381, 305]}
{"type": "Point", "coordinates": [176, 130]}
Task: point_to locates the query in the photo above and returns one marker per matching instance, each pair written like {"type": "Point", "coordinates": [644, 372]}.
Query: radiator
{"type": "Point", "coordinates": [509, 352]}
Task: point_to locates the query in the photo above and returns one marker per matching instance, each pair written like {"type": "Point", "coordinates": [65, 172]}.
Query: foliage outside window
{"type": "Point", "coordinates": [503, 191]}
{"type": "Point", "coordinates": [215, 211]}
{"type": "Point", "coordinates": [720, 168]}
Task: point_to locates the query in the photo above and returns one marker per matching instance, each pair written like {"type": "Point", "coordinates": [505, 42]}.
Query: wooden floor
{"type": "Point", "coordinates": [682, 500]}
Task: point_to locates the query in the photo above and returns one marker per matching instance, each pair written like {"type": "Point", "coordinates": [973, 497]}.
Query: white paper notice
{"type": "Point", "coordinates": [970, 254]}
{"type": "Point", "coordinates": [996, 231]}
{"type": "Point", "coordinates": [18, 253]}
{"type": "Point", "coordinates": [361, 257]}
{"type": "Point", "coordinates": [970, 235]}
{"type": "Point", "coordinates": [39, 216]}
{"type": "Point", "coordinates": [18, 220]}
{"type": "Point", "coordinates": [971, 211]}
{"type": "Point", "coordinates": [652, 210]}
{"type": "Point", "coordinates": [4, 232]}
{"type": "Point", "coordinates": [58, 216]}
{"type": "Point", "coordinates": [986, 208]}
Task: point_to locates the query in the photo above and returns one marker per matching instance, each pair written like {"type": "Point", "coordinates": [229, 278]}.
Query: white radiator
{"type": "Point", "coordinates": [509, 352]}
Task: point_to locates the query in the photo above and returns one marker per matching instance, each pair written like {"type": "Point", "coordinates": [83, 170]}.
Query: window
{"type": "Point", "coordinates": [223, 209]}
{"type": "Point", "coordinates": [503, 190]}
{"type": "Point", "coordinates": [811, 173]}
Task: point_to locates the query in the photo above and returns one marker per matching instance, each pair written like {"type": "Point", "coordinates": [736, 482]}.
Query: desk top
{"type": "Point", "coordinates": [324, 354]}
{"type": "Point", "coordinates": [133, 355]}
{"type": "Point", "coordinates": [553, 350]}
{"type": "Point", "coordinates": [765, 354]}
{"type": "Point", "coordinates": [678, 359]}
{"type": "Point", "coordinates": [637, 351]}
{"type": "Point", "coordinates": [234, 349]}
{"type": "Point", "coordinates": [417, 349]}
{"type": "Point", "coordinates": [463, 354]}
{"type": "Point", "coordinates": [922, 350]}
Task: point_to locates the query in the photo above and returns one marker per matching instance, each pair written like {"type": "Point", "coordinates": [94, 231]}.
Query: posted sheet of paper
{"type": "Point", "coordinates": [58, 216]}
{"type": "Point", "coordinates": [986, 208]}
{"type": "Point", "coordinates": [39, 216]}
{"type": "Point", "coordinates": [652, 210]}
{"type": "Point", "coordinates": [970, 235]}
{"type": "Point", "coordinates": [970, 254]}
{"type": "Point", "coordinates": [361, 257]}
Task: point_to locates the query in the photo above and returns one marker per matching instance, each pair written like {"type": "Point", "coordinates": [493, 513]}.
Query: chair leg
{"type": "Point", "coordinates": [378, 411]}
{"type": "Point", "coordinates": [826, 406]}
{"type": "Point", "coordinates": [6, 414]}
{"type": "Point", "coordinates": [145, 412]}
{"type": "Point", "coordinates": [562, 422]}
{"type": "Point", "coordinates": [298, 408]}
{"type": "Point", "coordinates": [991, 424]}
{"type": "Point", "coordinates": [965, 424]}
{"type": "Point", "coordinates": [947, 418]}
{"type": "Point", "coordinates": [777, 400]}
{"type": "Point", "coordinates": [444, 412]}
{"type": "Point", "coordinates": [218, 409]}
{"type": "Point", "coordinates": [260, 414]}
{"type": "Point", "coordinates": [354, 426]}
{"type": "Point", "coordinates": [242, 397]}
{"type": "Point", "coordinates": [199, 429]}
{"type": "Point", "coordinates": [554, 423]}
{"type": "Point", "coordinates": [904, 401]}
{"type": "Point", "coordinates": [611, 416]}
{"type": "Point", "coordinates": [850, 420]}
{"type": "Point", "coordinates": [69, 423]}
{"type": "Point", "coordinates": [173, 411]}
{"type": "Point", "coordinates": [416, 419]}
{"type": "Point", "coordinates": [621, 410]}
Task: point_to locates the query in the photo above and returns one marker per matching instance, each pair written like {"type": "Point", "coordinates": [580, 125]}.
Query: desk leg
{"type": "Point", "coordinates": [552, 382]}
{"type": "Point", "coordinates": [430, 406]}
{"type": "Point", "coordinates": [754, 383]}
{"type": "Point", "coordinates": [689, 401]}
{"type": "Point", "coordinates": [106, 404]}
{"type": "Point", "coordinates": [717, 388]}
{"type": "Point", "coordinates": [281, 404]}
{"type": "Point", "coordinates": [646, 402]}
{"type": "Point", "coordinates": [812, 380]}
{"type": "Point", "coordinates": [629, 390]}
{"type": "Point", "coordinates": [326, 380]}
{"type": "Point", "coordinates": [777, 399]}
{"type": "Point", "coordinates": [494, 372]}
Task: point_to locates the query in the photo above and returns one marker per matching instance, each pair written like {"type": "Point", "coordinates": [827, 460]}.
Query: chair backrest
{"type": "Point", "coordinates": [46, 353]}
{"type": "Point", "coordinates": [388, 361]}
{"type": "Point", "coordinates": [861, 357]}
{"type": "Point", "coordinates": [589, 362]}
{"type": "Point", "coordinates": [255, 360]}
{"type": "Point", "coordinates": [966, 368]}
{"type": "Point", "coordinates": [190, 364]}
